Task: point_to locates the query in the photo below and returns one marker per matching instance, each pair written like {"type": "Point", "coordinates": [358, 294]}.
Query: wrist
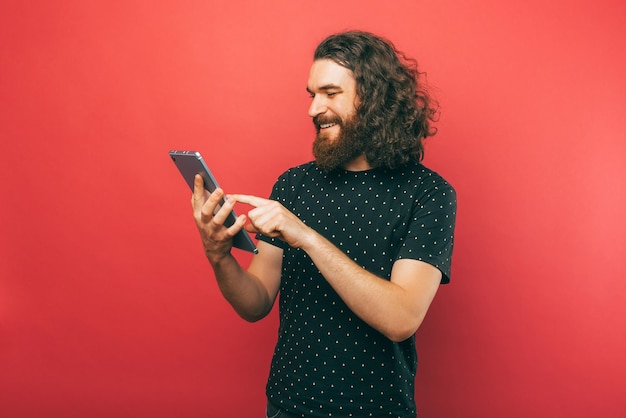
{"type": "Point", "coordinates": [310, 239]}
{"type": "Point", "coordinates": [217, 259]}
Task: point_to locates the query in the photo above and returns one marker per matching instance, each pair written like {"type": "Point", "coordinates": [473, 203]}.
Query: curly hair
{"type": "Point", "coordinates": [396, 111]}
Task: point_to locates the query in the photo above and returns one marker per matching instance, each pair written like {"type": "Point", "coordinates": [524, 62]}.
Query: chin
{"type": "Point", "coordinates": [326, 137]}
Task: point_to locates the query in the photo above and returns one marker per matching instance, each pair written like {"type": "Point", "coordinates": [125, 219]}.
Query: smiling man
{"type": "Point", "coordinates": [356, 242]}
{"type": "Point", "coordinates": [333, 108]}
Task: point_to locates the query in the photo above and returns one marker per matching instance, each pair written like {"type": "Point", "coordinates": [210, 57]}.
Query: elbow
{"type": "Point", "coordinates": [398, 337]}
{"type": "Point", "coordinates": [253, 316]}
{"type": "Point", "coordinates": [403, 331]}
{"type": "Point", "coordinates": [248, 318]}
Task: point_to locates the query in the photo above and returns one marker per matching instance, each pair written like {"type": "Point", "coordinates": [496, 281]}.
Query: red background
{"type": "Point", "coordinates": [107, 306]}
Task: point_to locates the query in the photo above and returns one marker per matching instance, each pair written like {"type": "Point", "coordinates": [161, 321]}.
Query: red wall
{"type": "Point", "coordinates": [107, 306]}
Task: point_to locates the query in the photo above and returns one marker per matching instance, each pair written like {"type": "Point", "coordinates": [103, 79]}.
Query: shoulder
{"type": "Point", "coordinates": [299, 169]}
{"type": "Point", "coordinates": [292, 179]}
{"type": "Point", "coordinates": [425, 175]}
{"type": "Point", "coordinates": [424, 180]}
{"type": "Point", "coordinates": [297, 174]}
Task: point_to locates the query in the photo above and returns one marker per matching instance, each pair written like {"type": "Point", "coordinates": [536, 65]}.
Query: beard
{"type": "Point", "coordinates": [332, 153]}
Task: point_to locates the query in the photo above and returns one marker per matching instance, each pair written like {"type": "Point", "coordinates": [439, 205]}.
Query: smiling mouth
{"type": "Point", "coordinates": [323, 122]}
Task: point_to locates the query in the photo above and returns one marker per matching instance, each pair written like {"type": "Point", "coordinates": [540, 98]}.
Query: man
{"type": "Point", "coordinates": [356, 242]}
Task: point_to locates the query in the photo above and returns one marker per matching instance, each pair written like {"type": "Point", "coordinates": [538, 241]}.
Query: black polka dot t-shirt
{"type": "Point", "coordinates": [328, 362]}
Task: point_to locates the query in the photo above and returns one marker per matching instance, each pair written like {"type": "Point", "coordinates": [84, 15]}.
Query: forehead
{"type": "Point", "coordinates": [325, 73]}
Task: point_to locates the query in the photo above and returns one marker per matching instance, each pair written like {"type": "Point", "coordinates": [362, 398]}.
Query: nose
{"type": "Point", "coordinates": [318, 106]}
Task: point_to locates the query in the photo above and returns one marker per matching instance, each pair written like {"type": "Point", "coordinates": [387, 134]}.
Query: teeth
{"type": "Point", "coordinates": [327, 125]}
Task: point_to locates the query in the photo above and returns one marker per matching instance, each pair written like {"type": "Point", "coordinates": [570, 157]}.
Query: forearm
{"type": "Point", "coordinates": [383, 304]}
{"type": "Point", "coordinates": [395, 307]}
{"type": "Point", "coordinates": [247, 294]}
{"type": "Point", "coordinates": [244, 291]}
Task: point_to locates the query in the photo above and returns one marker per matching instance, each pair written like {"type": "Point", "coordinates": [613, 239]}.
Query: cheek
{"type": "Point", "coordinates": [346, 111]}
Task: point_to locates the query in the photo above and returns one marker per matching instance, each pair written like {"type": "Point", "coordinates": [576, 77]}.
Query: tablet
{"type": "Point", "coordinates": [189, 164]}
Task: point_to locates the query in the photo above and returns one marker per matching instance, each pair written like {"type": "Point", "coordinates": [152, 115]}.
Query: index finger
{"type": "Point", "coordinates": [248, 199]}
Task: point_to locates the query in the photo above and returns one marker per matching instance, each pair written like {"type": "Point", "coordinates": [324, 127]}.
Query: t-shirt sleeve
{"type": "Point", "coordinates": [430, 236]}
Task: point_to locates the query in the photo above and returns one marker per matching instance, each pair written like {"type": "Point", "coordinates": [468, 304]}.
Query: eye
{"type": "Point", "coordinates": [331, 94]}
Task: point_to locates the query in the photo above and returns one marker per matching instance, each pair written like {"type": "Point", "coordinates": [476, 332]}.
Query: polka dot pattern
{"type": "Point", "coordinates": [328, 362]}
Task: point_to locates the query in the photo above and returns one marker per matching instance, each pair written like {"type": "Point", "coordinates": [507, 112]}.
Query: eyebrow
{"type": "Point", "coordinates": [325, 87]}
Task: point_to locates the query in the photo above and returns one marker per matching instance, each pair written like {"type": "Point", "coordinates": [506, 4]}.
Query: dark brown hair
{"type": "Point", "coordinates": [395, 111]}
